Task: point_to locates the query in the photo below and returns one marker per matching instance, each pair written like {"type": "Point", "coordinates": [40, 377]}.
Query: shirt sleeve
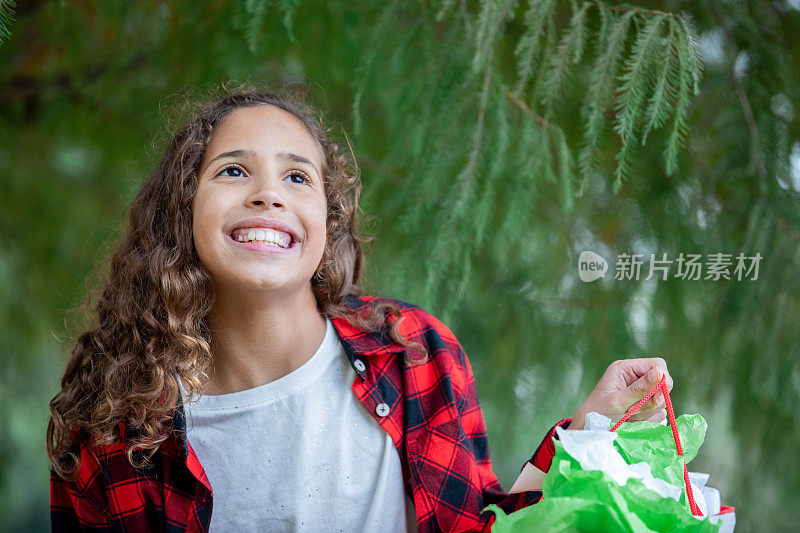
{"type": "Point", "coordinates": [543, 456]}
{"type": "Point", "coordinates": [476, 438]}
{"type": "Point", "coordinates": [71, 509]}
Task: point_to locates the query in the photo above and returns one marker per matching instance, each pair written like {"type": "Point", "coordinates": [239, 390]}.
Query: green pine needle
{"type": "Point", "coordinates": [6, 19]}
{"type": "Point", "coordinates": [528, 48]}
{"type": "Point", "coordinates": [610, 39]}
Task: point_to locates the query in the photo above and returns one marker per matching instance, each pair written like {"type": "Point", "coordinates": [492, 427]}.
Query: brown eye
{"type": "Point", "coordinates": [235, 168]}
{"type": "Point", "coordinates": [302, 177]}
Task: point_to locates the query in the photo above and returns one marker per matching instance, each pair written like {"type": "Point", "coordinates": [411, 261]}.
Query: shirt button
{"type": "Point", "coordinates": [359, 364]}
{"type": "Point", "coordinates": [382, 409]}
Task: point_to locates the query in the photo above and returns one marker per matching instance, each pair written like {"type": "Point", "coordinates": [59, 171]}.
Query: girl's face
{"type": "Point", "coordinates": [260, 209]}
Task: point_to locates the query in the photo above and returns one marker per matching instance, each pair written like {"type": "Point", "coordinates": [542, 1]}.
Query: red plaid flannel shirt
{"type": "Point", "coordinates": [434, 419]}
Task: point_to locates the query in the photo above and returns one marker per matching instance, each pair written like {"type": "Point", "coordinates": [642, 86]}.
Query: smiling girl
{"type": "Point", "coordinates": [234, 364]}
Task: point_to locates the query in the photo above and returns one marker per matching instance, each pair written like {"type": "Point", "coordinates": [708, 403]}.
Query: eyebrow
{"type": "Point", "coordinates": [250, 154]}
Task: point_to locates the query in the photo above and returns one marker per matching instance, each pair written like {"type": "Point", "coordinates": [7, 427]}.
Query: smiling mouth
{"type": "Point", "coordinates": [266, 236]}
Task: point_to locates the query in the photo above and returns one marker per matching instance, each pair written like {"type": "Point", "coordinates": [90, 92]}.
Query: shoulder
{"type": "Point", "coordinates": [447, 367]}
{"type": "Point", "coordinates": [104, 466]}
{"type": "Point", "coordinates": [415, 323]}
{"type": "Point", "coordinates": [84, 442]}
{"type": "Point", "coordinates": [89, 484]}
{"type": "Point", "coordinates": [99, 461]}
{"type": "Point", "coordinates": [445, 353]}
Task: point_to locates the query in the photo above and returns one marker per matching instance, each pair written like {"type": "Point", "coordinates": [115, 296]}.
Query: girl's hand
{"type": "Point", "coordinates": [623, 384]}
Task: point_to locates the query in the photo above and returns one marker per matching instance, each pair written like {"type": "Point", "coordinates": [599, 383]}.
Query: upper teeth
{"type": "Point", "coordinates": [269, 236]}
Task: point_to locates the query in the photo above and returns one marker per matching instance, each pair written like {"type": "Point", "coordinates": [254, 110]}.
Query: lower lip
{"type": "Point", "coordinates": [263, 247]}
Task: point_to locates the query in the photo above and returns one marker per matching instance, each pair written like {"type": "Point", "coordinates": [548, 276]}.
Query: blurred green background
{"type": "Point", "coordinates": [472, 184]}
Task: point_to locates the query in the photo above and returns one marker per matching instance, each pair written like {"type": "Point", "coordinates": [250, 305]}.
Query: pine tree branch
{"type": "Point", "coordinates": [6, 18]}
{"type": "Point", "coordinates": [483, 206]}
{"type": "Point", "coordinates": [463, 189]}
{"type": "Point", "coordinates": [659, 107]}
{"type": "Point", "coordinates": [365, 68]}
{"type": "Point", "coordinates": [520, 104]}
{"type": "Point", "coordinates": [477, 136]}
{"type": "Point", "coordinates": [559, 69]}
{"type": "Point", "coordinates": [537, 18]}
{"type": "Point", "coordinates": [622, 9]}
{"type": "Point", "coordinates": [490, 24]}
{"type": "Point", "coordinates": [744, 103]}
{"type": "Point", "coordinates": [610, 40]}
{"type": "Point", "coordinates": [679, 126]}
{"type": "Point", "coordinates": [632, 93]}
{"type": "Point", "coordinates": [446, 5]}
{"type": "Point", "coordinates": [288, 8]}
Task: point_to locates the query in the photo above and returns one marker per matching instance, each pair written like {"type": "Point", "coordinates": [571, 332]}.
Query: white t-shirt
{"type": "Point", "coordinates": [300, 453]}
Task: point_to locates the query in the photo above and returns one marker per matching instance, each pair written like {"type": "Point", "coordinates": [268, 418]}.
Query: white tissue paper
{"type": "Point", "coordinates": [593, 447]}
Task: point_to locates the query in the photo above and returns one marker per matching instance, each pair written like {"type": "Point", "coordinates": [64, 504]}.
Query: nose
{"type": "Point", "coordinates": [266, 193]}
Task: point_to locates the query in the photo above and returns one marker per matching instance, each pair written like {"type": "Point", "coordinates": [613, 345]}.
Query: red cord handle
{"type": "Point", "coordinates": [662, 385]}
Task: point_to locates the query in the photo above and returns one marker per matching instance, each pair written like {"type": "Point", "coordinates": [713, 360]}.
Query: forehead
{"type": "Point", "coordinates": [264, 129]}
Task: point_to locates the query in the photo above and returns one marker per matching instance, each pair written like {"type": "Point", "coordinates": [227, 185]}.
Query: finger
{"type": "Point", "coordinates": [661, 366]}
{"type": "Point", "coordinates": [669, 380]}
{"type": "Point", "coordinates": [658, 417]}
{"type": "Point", "coordinates": [632, 370]}
{"type": "Point", "coordinates": [658, 397]}
{"type": "Point", "coordinates": [658, 368]}
{"type": "Point", "coordinates": [644, 365]}
{"type": "Point", "coordinates": [653, 415]}
{"type": "Point", "coordinates": [644, 415]}
{"type": "Point", "coordinates": [639, 389]}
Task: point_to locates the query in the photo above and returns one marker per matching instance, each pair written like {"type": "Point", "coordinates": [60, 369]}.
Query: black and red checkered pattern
{"type": "Point", "coordinates": [434, 420]}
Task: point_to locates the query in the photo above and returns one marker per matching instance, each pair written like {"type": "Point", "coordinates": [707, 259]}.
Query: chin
{"type": "Point", "coordinates": [279, 284]}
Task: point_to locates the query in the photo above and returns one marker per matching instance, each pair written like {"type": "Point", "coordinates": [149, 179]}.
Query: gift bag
{"type": "Point", "coordinates": [632, 478]}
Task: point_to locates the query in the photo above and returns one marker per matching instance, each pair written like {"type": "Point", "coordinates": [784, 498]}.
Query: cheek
{"type": "Point", "coordinates": [204, 205]}
{"type": "Point", "coordinates": [197, 223]}
{"type": "Point", "coordinates": [202, 219]}
{"type": "Point", "coordinates": [318, 220]}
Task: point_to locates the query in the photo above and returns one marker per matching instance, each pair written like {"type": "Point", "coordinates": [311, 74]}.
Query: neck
{"type": "Point", "coordinates": [256, 342]}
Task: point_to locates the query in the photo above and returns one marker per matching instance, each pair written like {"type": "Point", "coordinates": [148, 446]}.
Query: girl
{"type": "Point", "coordinates": [234, 365]}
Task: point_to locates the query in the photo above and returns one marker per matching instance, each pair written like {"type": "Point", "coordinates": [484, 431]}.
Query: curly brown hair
{"type": "Point", "coordinates": [149, 323]}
